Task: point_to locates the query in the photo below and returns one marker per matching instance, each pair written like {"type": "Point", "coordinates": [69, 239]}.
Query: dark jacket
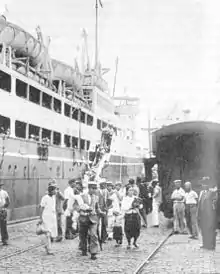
{"type": "Point", "coordinates": [94, 205]}
{"type": "Point", "coordinates": [143, 194]}
{"type": "Point", "coordinates": [59, 199]}
{"type": "Point", "coordinates": [103, 200]}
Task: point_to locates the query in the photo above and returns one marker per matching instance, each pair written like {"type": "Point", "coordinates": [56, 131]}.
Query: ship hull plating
{"type": "Point", "coordinates": [26, 177]}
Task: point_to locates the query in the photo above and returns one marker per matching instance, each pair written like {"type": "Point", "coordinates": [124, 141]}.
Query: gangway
{"type": "Point", "coordinates": [102, 154]}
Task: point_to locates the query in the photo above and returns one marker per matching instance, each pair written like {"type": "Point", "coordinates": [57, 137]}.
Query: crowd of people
{"type": "Point", "coordinates": [101, 212]}
{"type": "Point", "coordinates": [193, 212]}
{"type": "Point", "coordinates": [104, 211]}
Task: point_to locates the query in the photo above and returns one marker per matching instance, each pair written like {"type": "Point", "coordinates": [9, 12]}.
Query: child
{"type": "Point", "coordinates": [117, 228]}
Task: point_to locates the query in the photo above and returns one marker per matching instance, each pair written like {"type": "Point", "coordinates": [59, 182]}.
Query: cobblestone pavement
{"type": "Point", "coordinates": [178, 255]}
{"type": "Point", "coordinates": [22, 229]}
{"type": "Point", "coordinates": [183, 255]}
{"type": "Point", "coordinates": [67, 257]}
{"type": "Point", "coordinates": [21, 236]}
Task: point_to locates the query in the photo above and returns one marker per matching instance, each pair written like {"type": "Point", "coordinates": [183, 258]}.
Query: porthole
{"type": "Point", "coordinates": [25, 171]}
{"type": "Point", "coordinates": [33, 171]}
{"type": "Point", "coordinates": [58, 171]}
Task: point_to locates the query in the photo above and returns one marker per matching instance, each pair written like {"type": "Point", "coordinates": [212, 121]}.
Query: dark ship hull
{"type": "Point", "coordinates": [27, 169]}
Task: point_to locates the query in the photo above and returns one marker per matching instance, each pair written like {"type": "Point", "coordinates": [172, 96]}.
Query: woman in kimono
{"type": "Point", "coordinates": [48, 217]}
{"type": "Point", "coordinates": [130, 209]}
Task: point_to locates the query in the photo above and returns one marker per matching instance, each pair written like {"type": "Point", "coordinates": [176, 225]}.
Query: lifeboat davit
{"type": "Point", "coordinates": [26, 45]}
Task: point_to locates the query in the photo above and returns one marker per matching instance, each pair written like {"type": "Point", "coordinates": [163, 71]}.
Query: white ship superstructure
{"type": "Point", "coordinates": [51, 119]}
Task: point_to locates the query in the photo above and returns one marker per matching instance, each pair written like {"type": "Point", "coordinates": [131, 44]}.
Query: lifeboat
{"type": "Point", "coordinates": [26, 45]}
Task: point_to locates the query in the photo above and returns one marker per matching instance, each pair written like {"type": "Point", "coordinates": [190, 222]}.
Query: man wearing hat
{"type": "Point", "coordinates": [4, 203]}
{"type": "Point", "coordinates": [191, 200]}
{"type": "Point", "coordinates": [178, 198]}
{"type": "Point", "coordinates": [103, 196]}
{"type": "Point", "coordinates": [75, 201]}
{"type": "Point", "coordinates": [68, 195]}
{"type": "Point", "coordinates": [110, 201]}
{"type": "Point", "coordinates": [79, 186]}
{"type": "Point", "coordinates": [120, 191]}
{"type": "Point", "coordinates": [88, 221]}
{"type": "Point", "coordinates": [73, 205]}
{"type": "Point", "coordinates": [207, 217]}
{"type": "Point", "coordinates": [131, 182]}
{"type": "Point", "coordinates": [144, 195]}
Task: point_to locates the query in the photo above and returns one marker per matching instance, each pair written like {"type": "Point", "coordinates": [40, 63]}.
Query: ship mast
{"type": "Point", "coordinates": [116, 71]}
{"type": "Point", "coordinates": [96, 34]}
{"type": "Point", "coordinates": [96, 31]}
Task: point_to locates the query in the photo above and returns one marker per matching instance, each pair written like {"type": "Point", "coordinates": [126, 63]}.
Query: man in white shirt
{"type": "Point", "coordinates": [4, 203]}
{"type": "Point", "coordinates": [132, 183]}
{"type": "Point", "coordinates": [191, 200]}
{"type": "Point", "coordinates": [68, 192]}
{"type": "Point", "coordinates": [68, 195]}
{"type": "Point", "coordinates": [103, 196]}
{"type": "Point", "coordinates": [178, 198]}
{"type": "Point", "coordinates": [72, 210]}
{"type": "Point", "coordinates": [120, 191]}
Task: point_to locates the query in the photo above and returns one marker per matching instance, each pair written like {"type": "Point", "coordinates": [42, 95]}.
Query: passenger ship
{"type": "Point", "coordinates": [51, 119]}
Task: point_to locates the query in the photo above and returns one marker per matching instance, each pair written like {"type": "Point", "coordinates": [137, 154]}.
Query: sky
{"type": "Point", "coordinates": [169, 50]}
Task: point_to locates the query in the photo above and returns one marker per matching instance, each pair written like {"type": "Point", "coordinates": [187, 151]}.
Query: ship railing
{"type": "Point", "coordinates": [79, 100]}
{"type": "Point", "coordinates": [22, 65]}
{"type": "Point", "coordinates": [24, 68]}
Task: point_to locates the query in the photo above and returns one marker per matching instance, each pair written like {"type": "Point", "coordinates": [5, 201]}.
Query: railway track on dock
{"type": "Point", "coordinates": [13, 249]}
{"type": "Point", "coordinates": [142, 267]}
{"type": "Point", "coordinates": [28, 254]}
{"type": "Point", "coordinates": [24, 250]}
{"type": "Point", "coordinates": [24, 232]}
{"type": "Point", "coordinates": [18, 252]}
{"type": "Point", "coordinates": [25, 246]}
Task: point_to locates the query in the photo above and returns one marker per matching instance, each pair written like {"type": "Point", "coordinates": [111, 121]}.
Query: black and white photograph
{"type": "Point", "coordinates": [110, 136]}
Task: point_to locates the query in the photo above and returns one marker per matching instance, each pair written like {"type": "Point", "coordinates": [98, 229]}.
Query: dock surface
{"type": "Point", "coordinates": [178, 255]}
